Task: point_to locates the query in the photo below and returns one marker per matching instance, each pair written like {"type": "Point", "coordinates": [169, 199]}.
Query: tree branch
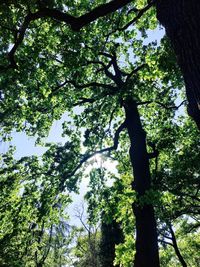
{"type": "Point", "coordinates": [155, 152]}
{"type": "Point", "coordinates": [48, 246]}
{"type": "Point", "coordinates": [165, 242]}
{"type": "Point", "coordinates": [90, 155]}
{"type": "Point", "coordinates": [139, 15]}
{"type": "Point", "coordinates": [76, 23]}
{"type": "Point", "coordinates": [104, 68]}
{"type": "Point", "coordinates": [161, 104]}
{"type": "Point", "coordinates": [107, 149]}
{"type": "Point", "coordinates": [135, 71]}
{"type": "Point", "coordinates": [83, 86]}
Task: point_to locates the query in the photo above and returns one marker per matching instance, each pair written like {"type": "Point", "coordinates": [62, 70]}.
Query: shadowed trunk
{"type": "Point", "coordinates": [181, 20]}
{"type": "Point", "coordinates": [111, 235]}
{"type": "Point", "coordinates": [176, 249]}
{"type": "Point", "coordinates": [146, 233]}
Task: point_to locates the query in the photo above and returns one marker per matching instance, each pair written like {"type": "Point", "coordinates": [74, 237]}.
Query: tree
{"type": "Point", "coordinates": [179, 248]}
{"type": "Point", "coordinates": [102, 211]}
{"type": "Point", "coordinates": [169, 235]}
{"type": "Point", "coordinates": [86, 250]}
{"type": "Point", "coordinates": [180, 186]}
{"type": "Point", "coordinates": [85, 72]}
{"type": "Point", "coordinates": [32, 211]}
{"type": "Point", "coordinates": [42, 9]}
{"type": "Point", "coordinates": [175, 196]}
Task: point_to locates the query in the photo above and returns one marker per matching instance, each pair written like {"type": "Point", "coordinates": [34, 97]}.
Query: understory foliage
{"type": "Point", "coordinates": [51, 65]}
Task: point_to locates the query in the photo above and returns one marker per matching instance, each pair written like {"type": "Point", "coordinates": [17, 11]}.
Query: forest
{"type": "Point", "coordinates": [125, 75]}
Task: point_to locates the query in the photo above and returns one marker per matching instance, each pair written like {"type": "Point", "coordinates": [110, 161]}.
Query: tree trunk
{"type": "Point", "coordinates": [112, 235]}
{"type": "Point", "coordinates": [181, 19]}
{"type": "Point", "coordinates": [146, 233]}
{"type": "Point", "coordinates": [176, 249]}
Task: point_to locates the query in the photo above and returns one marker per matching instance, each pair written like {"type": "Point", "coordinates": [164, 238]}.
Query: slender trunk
{"type": "Point", "coordinates": [181, 19]}
{"type": "Point", "coordinates": [176, 249]}
{"type": "Point", "coordinates": [111, 235]}
{"type": "Point", "coordinates": [146, 232]}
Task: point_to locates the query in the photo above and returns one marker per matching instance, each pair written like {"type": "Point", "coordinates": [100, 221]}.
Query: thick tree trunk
{"type": "Point", "coordinates": [146, 233]}
{"type": "Point", "coordinates": [181, 19]}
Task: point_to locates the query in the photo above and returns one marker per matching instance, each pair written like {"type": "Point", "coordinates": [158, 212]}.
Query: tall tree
{"type": "Point", "coordinates": [32, 210]}
{"type": "Point", "coordinates": [146, 235]}
{"type": "Point", "coordinates": [48, 72]}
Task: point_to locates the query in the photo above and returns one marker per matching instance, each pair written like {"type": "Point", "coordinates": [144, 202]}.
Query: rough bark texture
{"type": "Point", "coordinates": [181, 19]}
{"type": "Point", "coordinates": [146, 233]}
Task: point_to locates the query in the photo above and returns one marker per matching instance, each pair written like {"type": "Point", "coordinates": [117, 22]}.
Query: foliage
{"type": "Point", "coordinates": [50, 65]}
{"type": "Point", "coordinates": [32, 211]}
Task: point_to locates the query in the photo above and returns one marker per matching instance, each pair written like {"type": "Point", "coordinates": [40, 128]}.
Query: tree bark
{"type": "Point", "coordinates": [181, 19]}
{"type": "Point", "coordinates": [146, 232]}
